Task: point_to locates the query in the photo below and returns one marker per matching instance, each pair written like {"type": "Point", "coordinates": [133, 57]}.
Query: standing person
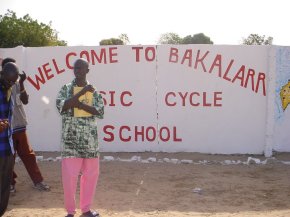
{"type": "Point", "coordinates": [8, 78]}
{"type": "Point", "coordinates": [22, 146]}
{"type": "Point", "coordinates": [80, 147]}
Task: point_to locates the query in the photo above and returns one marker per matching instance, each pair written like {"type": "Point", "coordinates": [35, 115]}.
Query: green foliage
{"type": "Point", "coordinates": [169, 38]}
{"type": "Point", "coordinates": [199, 38]}
{"type": "Point", "coordinates": [124, 38]}
{"type": "Point", "coordinates": [255, 39]}
{"type": "Point", "coordinates": [111, 41]}
{"type": "Point", "coordinates": [27, 32]}
{"type": "Point", "coordinates": [173, 38]}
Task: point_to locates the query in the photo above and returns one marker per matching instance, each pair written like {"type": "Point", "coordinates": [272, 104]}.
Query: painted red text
{"type": "Point", "coordinates": [196, 99]}
{"type": "Point", "coordinates": [149, 53]}
{"type": "Point", "coordinates": [45, 73]}
{"type": "Point", "coordinates": [111, 98]}
{"type": "Point", "coordinates": [204, 61]}
{"type": "Point", "coordinates": [140, 134]}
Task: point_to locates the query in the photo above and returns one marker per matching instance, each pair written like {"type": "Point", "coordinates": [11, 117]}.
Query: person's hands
{"type": "Point", "coordinates": [74, 101]}
{"type": "Point", "coordinates": [22, 77]}
{"type": "Point", "coordinates": [88, 88]}
{"type": "Point", "coordinates": [3, 124]}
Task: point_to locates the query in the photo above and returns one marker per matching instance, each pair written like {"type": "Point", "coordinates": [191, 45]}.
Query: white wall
{"type": "Point", "coordinates": [237, 123]}
{"type": "Point", "coordinates": [144, 86]}
{"type": "Point", "coordinates": [282, 117]}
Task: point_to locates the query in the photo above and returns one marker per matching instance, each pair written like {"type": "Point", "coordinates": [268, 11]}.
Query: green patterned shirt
{"type": "Point", "coordinates": [79, 134]}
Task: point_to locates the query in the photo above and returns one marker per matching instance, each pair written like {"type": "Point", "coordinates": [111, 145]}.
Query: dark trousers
{"type": "Point", "coordinates": [6, 168]}
{"type": "Point", "coordinates": [27, 155]}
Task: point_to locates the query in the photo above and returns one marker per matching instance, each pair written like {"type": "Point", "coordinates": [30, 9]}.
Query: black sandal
{"type": "Point", "coordinates": [90, 214]}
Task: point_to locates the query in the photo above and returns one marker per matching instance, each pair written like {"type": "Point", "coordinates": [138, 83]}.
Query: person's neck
{"type": "Point", "coordinates": [81, 82]}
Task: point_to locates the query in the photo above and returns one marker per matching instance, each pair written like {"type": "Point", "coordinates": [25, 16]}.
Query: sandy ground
{"type": "Point", "coordinates": [166, 189]}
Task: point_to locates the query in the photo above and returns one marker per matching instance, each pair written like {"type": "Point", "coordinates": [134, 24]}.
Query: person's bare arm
{"type": "Point", "coordinates": [23, 94]}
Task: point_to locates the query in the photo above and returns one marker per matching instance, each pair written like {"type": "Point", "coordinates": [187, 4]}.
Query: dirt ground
{"type": "Point", "coordinates": [135, 189]}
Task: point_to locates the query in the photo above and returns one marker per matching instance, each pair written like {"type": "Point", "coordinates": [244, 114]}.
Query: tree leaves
{"type": "Point", "coordinates": [255, 39]}
{"type": "Point", "coordinates": [173, 38]}
{"type": "Point", "coordinates": [27, 32]}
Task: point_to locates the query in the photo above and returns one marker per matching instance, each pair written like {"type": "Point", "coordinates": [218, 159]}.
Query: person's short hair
{"type": "Point", "coordinates": [10, 67]}
{"type": "Point", "coordinates": [7, 60]}
{"type": "Point", "coordinates": [83, 61]}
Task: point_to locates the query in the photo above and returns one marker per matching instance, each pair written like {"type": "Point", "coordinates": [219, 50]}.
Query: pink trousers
{"type": "Point", "coordinates": [88, 169]}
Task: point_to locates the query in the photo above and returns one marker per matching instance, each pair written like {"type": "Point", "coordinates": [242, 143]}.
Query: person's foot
{"type": "Point", "coordinates": [69, 215]}
{"type": "Point", "coordinates": [12, 189]}
{"type": "Point", "coordinates": [41, 186]}
{"type": "Point", "coordinates": [90, 214]}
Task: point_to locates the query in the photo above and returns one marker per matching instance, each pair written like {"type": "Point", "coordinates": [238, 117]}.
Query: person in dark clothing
{"type": "Point", "coordinates": [21, 143]}
{"type": "Point", "coordinates": [9, 76]}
